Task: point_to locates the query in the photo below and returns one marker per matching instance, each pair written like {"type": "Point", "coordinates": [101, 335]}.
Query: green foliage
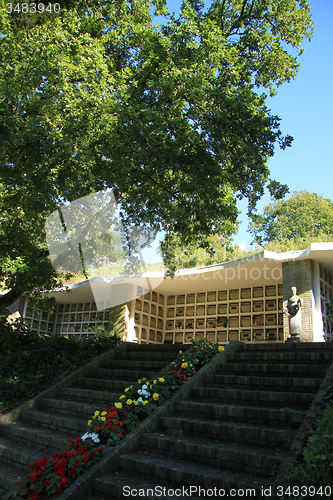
{"type": "Point", "coordinates": [29, 361]}
{"type": "Point", "coordinates": [294, 223]}
{"type": "Point", "coordinates": [168, 116]}
{"type": "Point", "coordinates": [216, 249]}
{"type": "Point", "coordinates": [316, 465]}
{"type": "Point", "coordinates": [106, 335]}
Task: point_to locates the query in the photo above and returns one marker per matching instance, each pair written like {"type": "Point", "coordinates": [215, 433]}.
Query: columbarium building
{"type": "Point", "coordinates": [244, 300]}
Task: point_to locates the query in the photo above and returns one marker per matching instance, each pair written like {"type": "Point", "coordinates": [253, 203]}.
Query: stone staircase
{"type": "Point", "coordinates": [233, 432]}
{"type": "Point", "coordinates": [42, 429]}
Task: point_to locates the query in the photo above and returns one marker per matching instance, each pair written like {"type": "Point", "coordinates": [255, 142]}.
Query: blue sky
{"type": "Point", "coordinates": [305, 106]}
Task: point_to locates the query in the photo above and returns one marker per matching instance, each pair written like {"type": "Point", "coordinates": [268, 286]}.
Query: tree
{"type": "Point", "coordinates": [169, 116]}
{"type": "Point", "coordinates": [302, 218]}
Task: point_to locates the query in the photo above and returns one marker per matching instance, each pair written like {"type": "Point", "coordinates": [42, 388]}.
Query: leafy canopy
{"type": "Point", "coordinates": [302, 218]}
{"type": "Point", "coordinates": [169, 116]}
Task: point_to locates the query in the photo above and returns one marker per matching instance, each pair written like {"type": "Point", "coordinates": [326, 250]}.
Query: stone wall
{"type": "Point", "coordinates": [299, 274]}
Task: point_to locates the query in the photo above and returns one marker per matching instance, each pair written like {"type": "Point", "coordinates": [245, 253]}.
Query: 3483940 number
{"type": "Point", "coordinates": [304, 491]}
{"type": "Point", "coordinates": [33, 8]}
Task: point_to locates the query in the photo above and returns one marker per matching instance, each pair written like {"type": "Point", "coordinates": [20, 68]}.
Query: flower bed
{"type": "Point", "coordinates": [110, 425]}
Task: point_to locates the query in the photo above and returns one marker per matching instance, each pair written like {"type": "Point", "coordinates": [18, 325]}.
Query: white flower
{"type": "Point", "coordinates": [92, 436]}
{"type": "Point", "coordinates": [140, 400]}
{"type": "Point", "coordinates": [144, 387]}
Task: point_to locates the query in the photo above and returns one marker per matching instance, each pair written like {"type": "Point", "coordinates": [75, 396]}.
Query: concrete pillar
{"type": "Point", "coordinates": [318, 330]}
{"type": "Point", "coordinates": [299, 273]}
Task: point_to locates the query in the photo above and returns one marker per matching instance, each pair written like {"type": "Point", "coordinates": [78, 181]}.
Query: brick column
{"type": "Point", "coordinates": [299, 274]}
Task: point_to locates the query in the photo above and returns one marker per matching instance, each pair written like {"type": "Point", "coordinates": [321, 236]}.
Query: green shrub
{"type": "Point", "coordinates": [29, 362]}
{"type": "Point", "coordinates": [315, 468]}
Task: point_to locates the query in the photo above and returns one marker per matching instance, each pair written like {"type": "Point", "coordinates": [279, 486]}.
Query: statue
{"type": "Point", "coordinates": [292, 310]}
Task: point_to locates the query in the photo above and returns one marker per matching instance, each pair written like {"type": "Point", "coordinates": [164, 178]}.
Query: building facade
{"type": "Point", "coordinates": [244, 299]}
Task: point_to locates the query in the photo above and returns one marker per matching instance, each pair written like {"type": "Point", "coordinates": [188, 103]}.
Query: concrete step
{"type": "Point", "coordinates": [129, 373]}
{"type": "Point", "coordinates": [114, 385]}
{"type": "Point", "coordinates": [13, 452]}
{"type": "Point", "coordinates": [122, 485]}
{"type": "Point", "coordinates": [273, 383]}
{"type": "Point", "coordinates": [242, 433]}
{"type": "Point", "coordinates": [284, 357]}
{"type": "Point", "coordinates": [283, 369]}
{"type": "Point", "coordinates": [238, 413]}
{"type": "Point", "coordinates": [295, 400]}
{"type": "Point", "coordinates": [74, 426]}
{"type": "Point", "coordinates": [182, 472]}
{"type": "Point", "coordinates": [174, 348]}
{"type": "Point", "coordinates": [167, 356]}
{"type": "Point", "coordinates": [64, 405]}
{"type": "Point", "coordinates": [287, 347]}
{"type": "Point", "coordinates": [137, 364]}
{"type": "Point", "coordinates": [10, 476]}
{"type": "Point", "coordinates": [24, 432]}
{"type": "Point", "coordinates": [100, 398]}
{"type": "Point", "coordinates": [226, 455]}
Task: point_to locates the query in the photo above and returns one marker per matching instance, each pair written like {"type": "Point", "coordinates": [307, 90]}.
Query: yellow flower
{"type": "Point", "coordinates": [127, 389]}
{"type": "Point", "coordinates": [103, 419]}
{"type": "Point", "coordinates": [221, 348]}
{"type": "Point", "coordinates": [145, 403]}
{"type": "Point", "coordinates": [184, 365]}
{"type": "Point", "coordinates": [129, 402]}
{"type": "Point", "coordinates": [122, 396]}
{"type": "Point", "coordinates": [155, 382]}
{"type": "Point", "coordinates": [96, 413]}
{"type": "Point", "coordinates": [161, 379]}
{"type": "Point", "coordinates": [118, 406]}
{"type": "Point", "coordinates": [135, 402]}
{"type": "Point", "coordinates": [104, 413]}
{"type": "Point", "coordinates": [156, 396]}
{"type": "Point", "coordinates": [139, 381]}
{"type": "Point", "coordinates": [89, 422]}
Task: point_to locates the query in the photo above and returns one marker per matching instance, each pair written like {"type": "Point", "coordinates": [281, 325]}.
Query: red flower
{"type": "Point", "coordinates": [107, 427]}
{"type": "Point", "coordinates": [47, 482]}
{"type": "Point", "coordinates": [115, 421]}
{"type": "Point", "coordinates": [100, 451]}
{"type": "Point", "coordinates": [92, 454]}
{"type": "Point", "coordinates": [120, 433]}
{"type": "Point", "coordinates": [63, 480]}
{"type": "Point", "coordinates": [69, 454]}
{"type": "Point", "coordinates": [61, 464]}
{"type": "Point", "coordinates": [120, 422]}
{"type": "Point", "coordinates": [21, 484]}
{"type": "Point", "coordinates": [85, 458]}
{"type": "Point", "coordinates": [58, 489]}
{"type": "Point", "coordinates": [96, 428]}
{"type": "Point", "coordinates": [70, 472]}
{"type": "Point", "coordinates": [34, 496]}
{"type": "Point", "coordinates": [184, 381]}
{"type": "Point", "coordinates": [69, 439]}
{"type": "Point", "coordinates": [78, 441]}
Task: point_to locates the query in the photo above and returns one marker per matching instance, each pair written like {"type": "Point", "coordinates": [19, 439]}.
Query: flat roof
{"type": "Point", "coordinates": [258, 269]}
